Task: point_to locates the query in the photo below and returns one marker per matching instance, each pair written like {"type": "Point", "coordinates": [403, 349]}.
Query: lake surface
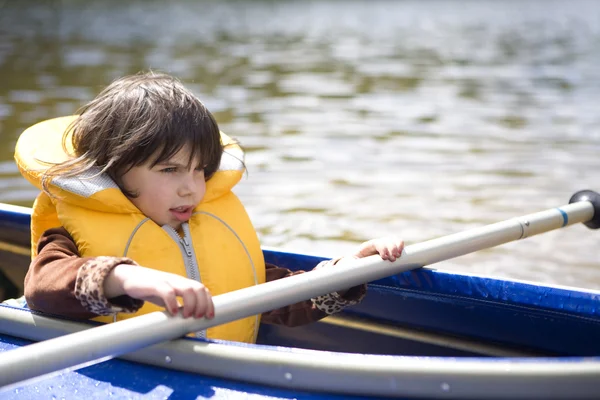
{"type": "Point", "coordinates": [360, 119]}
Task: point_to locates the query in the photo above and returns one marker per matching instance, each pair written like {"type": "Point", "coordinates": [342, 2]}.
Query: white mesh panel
{"type": "Point", "coordinates": [86, 184]}
{"type": "Point", "coordinates": [232, 160]}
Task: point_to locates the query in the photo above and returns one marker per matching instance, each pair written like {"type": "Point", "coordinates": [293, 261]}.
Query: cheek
{"type": "Point", "coordinates": [153, 189]}
{"type": "Point", "coordinates": [202, 186]}
{"type": "Point", "coordinates": [163, 188]}
{"type": "Point", "coordinates": [127, 183]}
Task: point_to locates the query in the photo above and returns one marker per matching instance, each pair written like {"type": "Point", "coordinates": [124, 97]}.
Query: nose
{"type": "Point", "coordinates": [190, 185]}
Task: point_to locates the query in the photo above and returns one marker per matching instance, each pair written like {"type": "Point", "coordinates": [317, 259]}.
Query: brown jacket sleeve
{"type": "Point", "coordinates": [292, 315]}
{"type": "Point", "coordinates": [50, 281]}
{"type": "Point", "coordinates": [311, 310]}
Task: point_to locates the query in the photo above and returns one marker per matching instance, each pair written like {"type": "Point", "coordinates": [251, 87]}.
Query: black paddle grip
{"type": "Point", "coordinates": [594, 198]}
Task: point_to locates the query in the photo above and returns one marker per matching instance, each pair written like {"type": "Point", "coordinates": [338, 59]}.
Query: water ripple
{"type": "Point", "coordinates": [412, 118]}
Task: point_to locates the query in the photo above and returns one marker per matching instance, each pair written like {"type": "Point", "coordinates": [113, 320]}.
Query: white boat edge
{"type": "Point", "coordinates": [366, 374]}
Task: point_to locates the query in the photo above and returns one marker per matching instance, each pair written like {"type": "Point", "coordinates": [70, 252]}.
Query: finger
{"type": "Point", "coordinates": [190, 297]}
{"type": "Point", "coordinates": [201, 301]}
{"type": "Point", "coordinates": [395, 251]}
{"type": "Point", "coordinates": [387, 248]}
{"type": "Point", "coordinates": [392, 254]}
{"type": "Point", "coordinates": [400, 246]}
{"type": "Point", "coordinates": [384, 252]}
{"type": "Point", "coordinates": [395, 245]}
{"type": "Point", "coordinates": [169, 298]}
{"type": "Point", "coordinates": [210, 307]}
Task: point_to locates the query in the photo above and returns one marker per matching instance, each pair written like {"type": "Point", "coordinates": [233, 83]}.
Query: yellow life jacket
{"type": "Point", "coordinates": [103, 222]}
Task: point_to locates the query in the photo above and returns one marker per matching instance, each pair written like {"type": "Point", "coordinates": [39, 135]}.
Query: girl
{"type": "Point", "coordinates": [136, 213]}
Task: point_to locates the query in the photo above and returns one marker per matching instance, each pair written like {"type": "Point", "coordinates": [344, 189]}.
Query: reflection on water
{"type": "Point", "coordinates": [416, 118]}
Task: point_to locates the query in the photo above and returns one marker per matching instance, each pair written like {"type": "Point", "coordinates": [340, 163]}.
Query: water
{"type": "Point", "coordinates": [361, 119]}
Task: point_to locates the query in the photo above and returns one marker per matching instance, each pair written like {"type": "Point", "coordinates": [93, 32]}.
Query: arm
{"type": "Point", "coordinates": [389, 248]}
{"type": "Point", "coordinates": [59, 281]}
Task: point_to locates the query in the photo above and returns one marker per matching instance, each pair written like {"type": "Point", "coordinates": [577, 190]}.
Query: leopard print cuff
{"type": "Point", "coordinates": [89, 287]}
{"type": "Point", "coordinates": [334, 303]}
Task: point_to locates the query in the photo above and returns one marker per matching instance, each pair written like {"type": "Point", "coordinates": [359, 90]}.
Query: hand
{"type": "Point", "coordinates": [160, 288]}
{"type": "Point", "coordinates": [389, 248]}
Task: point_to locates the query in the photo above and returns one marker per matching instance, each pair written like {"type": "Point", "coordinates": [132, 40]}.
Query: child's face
{"type": "Point", "coordinates": [167, 192]}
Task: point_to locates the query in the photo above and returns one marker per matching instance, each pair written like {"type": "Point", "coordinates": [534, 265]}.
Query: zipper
{"type": "Point", "coordinates": [187, 250]}
{"type": "Point", "coordinates": [192, 268]}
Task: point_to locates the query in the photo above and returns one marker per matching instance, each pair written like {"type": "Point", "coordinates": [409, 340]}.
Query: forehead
{"type": "Point", "coordinates": [182, 157]}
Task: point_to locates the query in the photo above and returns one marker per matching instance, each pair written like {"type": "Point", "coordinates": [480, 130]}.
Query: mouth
{"type": "Point", "coordinates": [182, 213]}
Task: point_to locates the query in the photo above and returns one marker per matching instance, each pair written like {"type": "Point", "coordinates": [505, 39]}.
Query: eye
{"type": "Point", "coordinates": [169, 170]}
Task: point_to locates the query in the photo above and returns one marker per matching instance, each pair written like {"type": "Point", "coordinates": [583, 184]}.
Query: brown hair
{"type": "Point", "coordinates": [140, 118]}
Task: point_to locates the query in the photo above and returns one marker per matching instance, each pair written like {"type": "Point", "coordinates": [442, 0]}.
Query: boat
{"type": "Point", "coordinates": [419, 333]}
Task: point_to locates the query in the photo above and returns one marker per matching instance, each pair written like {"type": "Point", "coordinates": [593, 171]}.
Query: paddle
{"type": "Point", "coordinates": [100, 343]}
